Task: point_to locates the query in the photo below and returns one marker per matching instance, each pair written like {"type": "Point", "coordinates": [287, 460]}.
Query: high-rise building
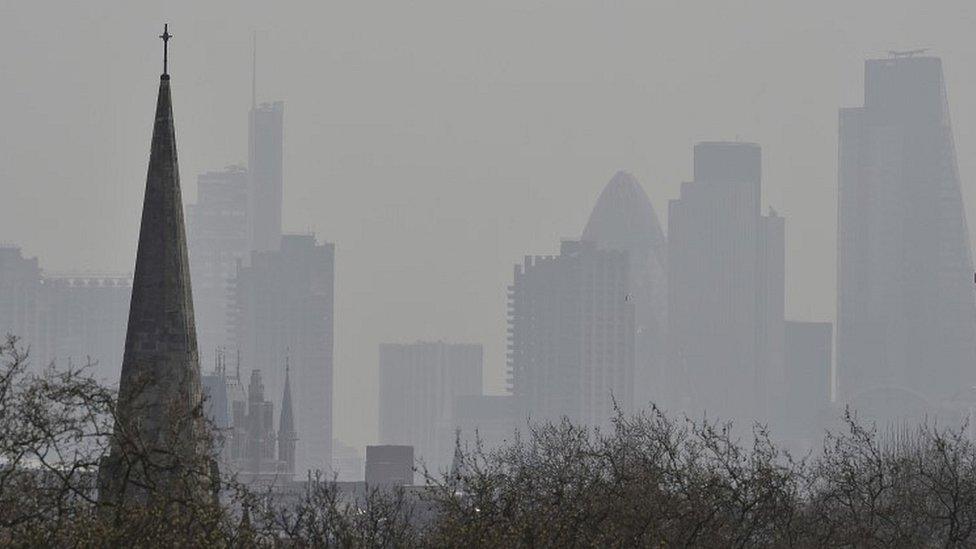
{"type": "Point", "coordinates": [217, 232]}
{"type": "Point", "coordinates": [906, 312]}
{"type": "Point", "coordinates": [76, 319]}
{"type": "Point", "coordinates": [725, 289]}
{"type": "Point", "coordinates": [809, 347]}
{"type": "Point", "coordinates": [20, 283]}
{"type": "Point", "coordinates": [571, 335]}
{"type": "Point", "coordinates": [81, 319]}
{"type": "Point", "coordinates": [418, 384]}
{"type": "Point", "coordinates": [623, 219]}
{"type": "Point", "coordinates": [283, 311]}
{"type": "Point", "coordinates": [159, 422]}
{"type": "Point", "coordinates": [265, 157]}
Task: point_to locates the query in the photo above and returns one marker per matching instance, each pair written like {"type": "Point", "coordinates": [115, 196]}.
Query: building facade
{"type": "Point", "coordinates": [265, 166]}
{"type": "Point", "coordinates": [283, 311]}
{"type": "Point", "coordinates": [20, 284]}
{"type": "Point", "coordinates": [809, 351]}
{"type": "Point", "coordinates": [82, 321]}
{"type": "Point", "coordinates": [624, 219]}
{"type": "Point", "coordinates": [571, 330]}
{"type": "Point", "coordinates": [418, 386]}
{"type": "Point", "coordinates": [218, 239]}
{"type": "Point", "coordinates": [726, 284]}
{"type": "Point", "coordinates": [906, 311]}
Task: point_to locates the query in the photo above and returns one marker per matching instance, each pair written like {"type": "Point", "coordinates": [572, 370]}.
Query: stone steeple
{"type": "Point", "coordinates": [160, 438]}
{"type": "Point", "coordinates": [286, 428]}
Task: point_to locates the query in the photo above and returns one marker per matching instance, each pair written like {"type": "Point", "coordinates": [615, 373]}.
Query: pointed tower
{"type": "Point", "coordinates": [287, 435]}
{"type": "Point", "coordinates": [624, 219]}
{"type": "Point", "coordinates": [159, 448]}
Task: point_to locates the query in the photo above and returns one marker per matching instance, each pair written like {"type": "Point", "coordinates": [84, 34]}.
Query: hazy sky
{"type": "Point", "coordinates": [436, 143]}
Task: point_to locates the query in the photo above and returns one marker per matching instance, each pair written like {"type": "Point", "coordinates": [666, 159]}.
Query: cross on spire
{"type": "Point", "coordinates": [165, 36]}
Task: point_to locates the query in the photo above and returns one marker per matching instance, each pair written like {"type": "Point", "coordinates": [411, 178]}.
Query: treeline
{"type": "Point", "coordinates": [649, 480]}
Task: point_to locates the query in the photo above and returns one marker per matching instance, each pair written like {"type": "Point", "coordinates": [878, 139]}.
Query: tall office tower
{"type": "Point", "coordinates": [418, 384]}
{"type": "Point", "coordinates": [809, 348]}
{"type": "Point", "coordinates": [159, 415]}
{"type": "Point", "coordinates": [283, 311]}
{"type": "Point", "coordinates": [623, 219]}
{"type": "Point", "coordinates": [217, 234]}
{"type": "Point", "coordinates": [725, 288]}
{"type": "Point", "coordinates": [906, 314]}
{"type": "Point", "coordinates": [571, 335]}
{"type": "Point", "coordinates": [82, 318]}
{"type": "Point", "coordinates": [265, 156]}
{"type": "Point", "coordinates": [20, 283]}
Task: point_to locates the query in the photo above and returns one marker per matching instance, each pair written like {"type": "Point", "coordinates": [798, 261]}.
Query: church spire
{"type": "Point", "coordinates": [159, 410]}
{"type": "Point", "coordinates": [287, 435]}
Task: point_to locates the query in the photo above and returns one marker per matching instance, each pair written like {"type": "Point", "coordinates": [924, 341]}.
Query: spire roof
{"type": "Point", "coordinates": [624, 219]}
{"type": "Point", "coordinates": [286, 423]}
{"type": "Point", "coordinates": [159, 390]}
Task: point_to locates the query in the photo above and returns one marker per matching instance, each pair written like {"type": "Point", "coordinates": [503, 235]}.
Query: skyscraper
{"type": "Point", "coordinates": [265, 157]}
{"type": "Point", "coordinates": [160, 435]}
{"type": "Point", "coordinates": [217, 229]}
{"type": "Point", "coordinates": [20, 284]}
{"type": "Point", "coordinates": [283, 310]}
{"type": "Point", "coordinates": [64, 318]}
{"type": "Point", "coordinates": [82, 317]}
{"type": "Point", "coordinates": [623, 219]}
{"type": "Point", "coordinates": [808, 352]}
{"type": "Point", "coordinates": [906, 313]}
{"type": "Point", "coordinates": [418, 386]}
{"type": "Point", "coordinates": [725, 288]}
{"type": "Point", "coordinates": [571, 335]}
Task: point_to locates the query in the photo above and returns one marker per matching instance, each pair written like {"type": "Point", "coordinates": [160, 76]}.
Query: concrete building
{"type": "Point", "coordinates": [348, 463]}
{"type": "Point", "coordinates": [571, 335]}
{"type": "Point", "coordinates": [726, 283]}
{"type": "Point", "coordinates": [20, 283]}
{"type": "Point", "coordinates": [809, 351]}
{"type": "Point", "coordinates": [265, 166]}
{"type": "Point", "coordinates": [418, 384]}
{"type": "Point", "coordinates": [624, 219]}
{"type": "Point", "coordinates": [283, 307]}
{"type": "Point", "coordinates": [906, 311]}
{"type": "Point", "coordinates": [218, 237]}
{"type": "Point", "coordinates": [64, 319]}
{"type": "Point", "coordinates": [389, 465]}
{"type": "Point", "coordinates": [82, 318]}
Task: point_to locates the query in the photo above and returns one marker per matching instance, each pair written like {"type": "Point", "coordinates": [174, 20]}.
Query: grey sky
{"type": "Point", "coordinates": [438, 142]}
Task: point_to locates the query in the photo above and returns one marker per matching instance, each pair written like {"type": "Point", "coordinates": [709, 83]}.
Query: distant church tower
{"type": "Point", "coordinates": [287, 435]}
{"type": "Point", "coordinates": [160, 397]}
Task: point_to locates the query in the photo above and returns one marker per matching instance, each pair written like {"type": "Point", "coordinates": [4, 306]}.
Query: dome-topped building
{"type": "Point", "coordinates": [624, 219]}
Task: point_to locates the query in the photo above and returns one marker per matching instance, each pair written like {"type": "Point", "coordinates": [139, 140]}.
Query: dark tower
{"type": "Point", "coordinates": [159, 450]}
{"type": "Point", "coordinates": [286, 429]}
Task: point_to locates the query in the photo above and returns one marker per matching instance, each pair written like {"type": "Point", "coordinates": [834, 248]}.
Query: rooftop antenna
{"type": "Point", "coordinates": [254, 68]}
{"type": "Point", "coordinates": [165, 36]}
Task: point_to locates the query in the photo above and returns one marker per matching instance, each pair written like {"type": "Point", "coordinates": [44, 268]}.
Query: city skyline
{"type": "Point", "coordinates": [539, 235]}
